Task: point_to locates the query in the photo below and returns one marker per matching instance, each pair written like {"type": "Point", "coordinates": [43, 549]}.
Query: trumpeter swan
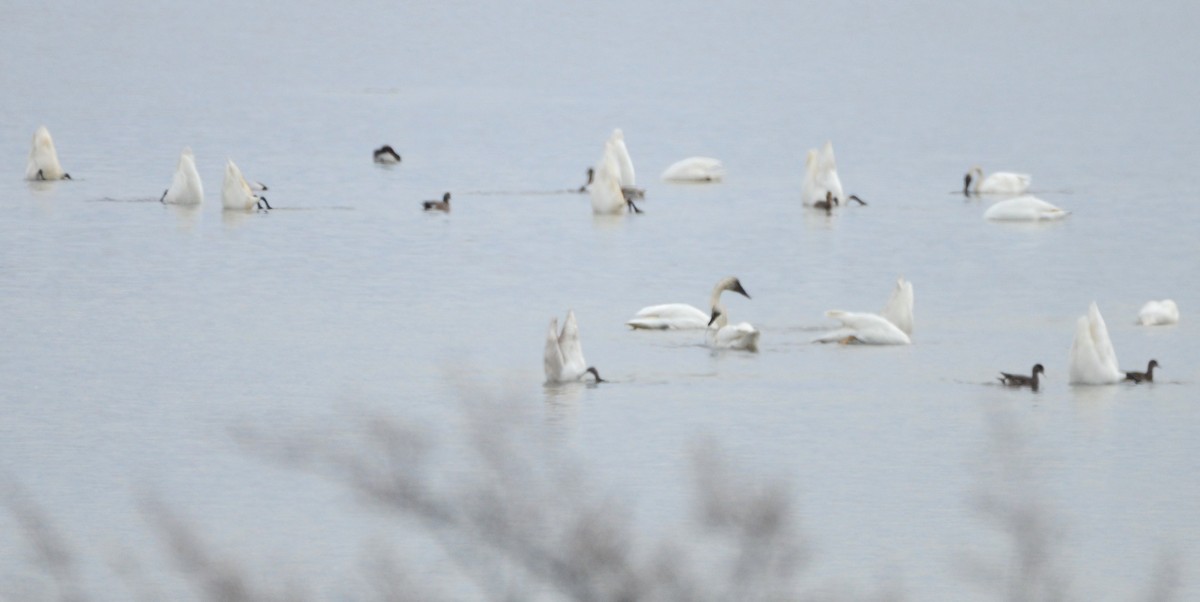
{"type": "Point", "coordinates": [821, 179]}
{"type": "Point", "coordinates": [1020, 380]}
{"type": "Point", "coordinates": [1093, 359]}
{"type": "Point", "coordinates": [1157, 313]}
{"type": "Point", "coordinates": [235, 192]}
{"type": "Point", "coordinates": [892, 326]}
{"type": "Point", "coordinates": [607, 196]}
{"type": "Point", "coordinates": [723, 335]}
{"type": "Point", "coordinates": [43, 159]}
{"type": "Point", "coordinates": [695, 169]}
{"type": "Point", "coordinates": [442, 205]}
{"type": "Point", "coordinates": [1001, 182]}
{"type": "Point", "coordinates": [386, 155]}
{"type": "Point", "coordinates": [682, 316]}
{"type": "Point", "coordinates": [1024, 209]}
{"type": "Point", "coordinates": [563, 357]}
{"type": "Point", "coordinates": [186, 188]}
{"type": "Point", "coordinates": [625, 164]}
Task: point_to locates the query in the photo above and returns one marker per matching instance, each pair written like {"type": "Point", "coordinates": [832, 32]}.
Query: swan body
{"type": "Point", "coordinates": [235, 192]}
{"type": "Point", "coordinates": [681, 316]}
{"type": "Point", "coordinates": [1093, 360]}
{"type": "Point", "coordinates": [563, 358]}
{"type": "Point", "coordinates": [186, 188]}
{"type": "Point", "coordinates": [43, 159]}
{"type": "Point", "coordinates": [821, 177]}
{"type": "Point", "coordinates": [695, 169]}
{"type": "Point", "coordinates": [606, 193]}
{"type": "Point", "coordinates": [386, 155]}
{"type": "Point", "coordinates": [1025, 208]}
{"type": "Point", "coordinates": [624, 162]}
{"type": "Point", "coordinates": [892, 326]}
{"type": "Point", "coordinates": [723, 335]}
{"type": "Point", "coordinates": [1157, 313]}
{"type": "Point", "coordinates": [1001, 182]}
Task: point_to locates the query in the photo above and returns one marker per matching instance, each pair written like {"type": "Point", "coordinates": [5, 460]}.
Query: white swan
{"type": "Point", "coordinates": [695, 169]}
{"type": "Point", "coordinates": [1093, 359]}
{"type": "Point", "coordinates": [820, 176]}
{"type": "Point", "coordinates": [893, 326]}
{"type": "Point", "coordinates": [723, 335]}
{"type": "Point", "coordinates": [1001, 182]}
{"type": "Point", "coordinates": [1157, 313]}
{"type": "Point", "coordinates": [1025, 208]}
{"type": "Point", "coordinates": [43, 159]}
{"type": "Point", "coordinates": [681, 316]}
{"type": "Point", "coordinates": [625, 163]}
{"type": "Point", "coordinates": [563, 357]}
{"type": "Point", "coordinates": [235, 192]}
{"type": "Point", "coordinates": [607, 196]}
{"type": "Point", "coordinates": [186, 188]}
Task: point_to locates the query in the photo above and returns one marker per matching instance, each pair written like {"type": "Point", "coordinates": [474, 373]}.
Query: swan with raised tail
{"type": "Point", "coordinates": [43, 159]}
{"type": "Point", "coordinates": [606, 193]}
{"type": "Point", "coordinates": [1159, 313]}
{"type": "Point", "coordinates": [695, 169]}
{"type": "Point", "coordinates": [821, 181]}
{"type": "Point", "coordinates": [563, 357]}
{"type": "Point", "coordinates": [1001, 182]}
{"type": "Point", "coordinates": [1026, 208]}
{"type": "Point", "coordinates": [892, 326]}
{"type": "Point", "coordinates": [625, 163]}
{"type": "Point", "coordinates": [681, 316]}
{"type": "Point", "coordinates": [1093, 360]}
{"type": "Point", "coordinates": [186, 188]}
{"type": "Point", "coordinates": [235, 191]}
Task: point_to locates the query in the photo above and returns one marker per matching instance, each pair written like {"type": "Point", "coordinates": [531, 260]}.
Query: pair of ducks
{"type": "Point", "coordinates": [1020, 380]}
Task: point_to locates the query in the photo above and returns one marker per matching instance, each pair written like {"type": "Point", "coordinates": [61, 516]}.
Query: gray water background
{"type": "Point", "coordinates": [137, 336]}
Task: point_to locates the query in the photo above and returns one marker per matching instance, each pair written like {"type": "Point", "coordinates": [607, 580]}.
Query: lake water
{"type": "Point", "coordinates": [138, 337]}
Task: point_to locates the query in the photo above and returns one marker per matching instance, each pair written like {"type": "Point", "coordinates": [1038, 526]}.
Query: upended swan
{"type": "Point", "coordinates": [235, 192]}
{"type": "Point", "coordinates": [186, 188]}
{"type": "Point", "coordinates": [607, 195]}
{"type": "Point", "coordinates": [1093, 360]}
{"type": "Point", "coordinates": [695, 169]}
{"type": "Point", "coordinates": [892, 326]}
{"type": "Point", "coordinates": [821, 179]}
{"type": "Point", "coordinates": [1001, 182]}
{"type": "Point", "coordinates": [43, 159]}
{"type": "Point", "coordinates": [625, 163]}
{"type": "Point", "coordinates": [1025, 208]}
{"type": "Point", "coordinates": [563, 357]}
{"type": "Point", "coordinates": [1158, 313]}
{"type": "Point", "coordinates": [681, 316]}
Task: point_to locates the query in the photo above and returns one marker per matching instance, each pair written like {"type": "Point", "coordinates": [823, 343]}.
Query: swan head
{"type": "Point", "coordinates": [731, 283]}
{"type": "Point", "coordinates": [595, 374]}
{"type": "Point", "coordinates": [975, 174]}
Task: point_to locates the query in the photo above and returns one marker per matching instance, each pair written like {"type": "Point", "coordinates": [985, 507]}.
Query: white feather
{"type": "Point", "coordinates": [893, 326]}
{"type": "Point", "coordinates": [1001, 182]}
{"type": "Point", "coordinates": [1093, 360]}
{"type": "Point", "coordinates": [43, 158]}
{"type": "Point", "coordinates": [1024, 209]}
{"type": "Point", "coordinates": [1158, 313]}
{"type": "Point", "coordinates": [695, 169]}
{"type": "Point", "coordinates": [563, 358]}
{"type": "Point", "coordinates": [235, 192]}
{"type": "Point", "coordinates": [186, 188]}
{"type": "Point", "coordinates": [680, 316]}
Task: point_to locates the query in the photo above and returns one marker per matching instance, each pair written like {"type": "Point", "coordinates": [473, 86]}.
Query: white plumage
{"type": "Point", "coordinates": [1001, 182]}
{"type": "Point", "coordinates": [820, 176]}
{"type": "Point", "coordinates": [1158, 313]}
{"type": "Point", "coordinates": [235, 192]}
{"type": "Point", "coordinates": [43, 158]}
{"type": "Point", "coordinates": [1025, 208]}
{"type": "Point", "coordinates": [1093, 359]}
{"type": "Point", "coordinates": [695, 169]}
{"type": "Point", "coordinates": [723, 335]}
{"type": "Point", "coordinates": [893, 326]}
{"type": "Point", "coordinates": [681, 316]}
{"type": "Point", "coordinates": [563, 358]}
{"type": "Point", "coordinates": [605, 189]}
{"type": "Point", "coordinates": [186, 188]}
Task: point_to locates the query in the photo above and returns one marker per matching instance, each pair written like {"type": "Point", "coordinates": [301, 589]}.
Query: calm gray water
{"type": "Point", "coordinates": [138, 336]}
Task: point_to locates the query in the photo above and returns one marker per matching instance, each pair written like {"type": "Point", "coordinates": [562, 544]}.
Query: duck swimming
{"type": "Point", "coordinates": [1020, 380]}
{"type": "Point", "coordinates": [442, 205]}
{"type": "Point", "coordinates": [386, 155]}
{"type": "Point", "coordinates": [1140, 377]}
